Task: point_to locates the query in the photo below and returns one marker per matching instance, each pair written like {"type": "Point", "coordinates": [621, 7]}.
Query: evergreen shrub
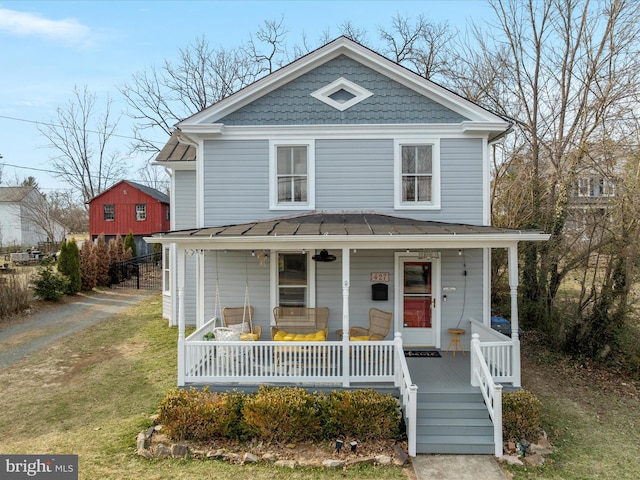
{"type": "Point", "coordinates": [520, 416]}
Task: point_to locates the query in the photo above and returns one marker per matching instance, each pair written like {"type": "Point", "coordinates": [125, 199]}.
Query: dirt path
{"type": "Point", "coordinates": [52, 321]}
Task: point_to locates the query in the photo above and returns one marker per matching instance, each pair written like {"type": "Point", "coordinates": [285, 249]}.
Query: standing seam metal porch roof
{"type": "Point", "coordinates": [334, 224]}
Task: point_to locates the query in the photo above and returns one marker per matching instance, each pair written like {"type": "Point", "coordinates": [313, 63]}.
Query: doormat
{"type": "Point", "coordinates": [422, 353]}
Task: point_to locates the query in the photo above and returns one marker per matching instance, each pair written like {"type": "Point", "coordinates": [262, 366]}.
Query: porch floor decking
{"type": "Point", "coordinates": [449, 373]}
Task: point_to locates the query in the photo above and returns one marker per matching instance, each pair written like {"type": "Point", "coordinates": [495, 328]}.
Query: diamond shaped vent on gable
{"type": "Point", "coordinates": [341, 94]}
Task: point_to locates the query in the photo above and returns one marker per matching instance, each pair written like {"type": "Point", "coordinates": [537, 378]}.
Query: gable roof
{"type": "Point", "coordinates": [152, 192]}
{"type": "Point", "coordinates": [479, 119]}
{"type": "Point", "coordinates": [14, 194]}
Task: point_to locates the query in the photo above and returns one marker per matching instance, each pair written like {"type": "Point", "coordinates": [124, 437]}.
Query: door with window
{"type": "Point", "coordinates": [417, 285]}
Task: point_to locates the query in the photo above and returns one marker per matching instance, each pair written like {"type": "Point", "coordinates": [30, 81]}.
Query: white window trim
{"type": "Point", "coordinates": [324, 94]}
{"type": "Point", "coordinates": [141, 213]}
{"type": "Point", "coordinates": [166, 270]}
{"type": "Point", "coordinates": [311, 278]}
{"type": "Point", "coordinates": [434, 204]}
{"type": "Point", "coordinates": [310, 204]}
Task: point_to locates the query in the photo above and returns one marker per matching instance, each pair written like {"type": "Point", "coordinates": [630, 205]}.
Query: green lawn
{"type": "Point", "coordinates": [91, 393]}
{"type": "Point", "coordinates": [591, 414]}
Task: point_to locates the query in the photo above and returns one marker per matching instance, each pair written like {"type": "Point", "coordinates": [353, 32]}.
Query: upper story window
{"type": "Point", "coordinates": [595, 187]}
{"type": "Point", "coordinates": [292, 182]}
{"type": "Point", "coordinates": [141, 212]}
{"type": "Point", "coordinates": [109, 210]}
{"type": "Point", "coordinates": [417, 172]}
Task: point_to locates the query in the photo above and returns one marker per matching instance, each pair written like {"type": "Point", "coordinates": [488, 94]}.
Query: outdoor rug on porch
{"type": "Point", "coordinates": [422, 353]}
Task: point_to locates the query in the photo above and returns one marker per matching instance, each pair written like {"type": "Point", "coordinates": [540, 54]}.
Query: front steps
{"type": "Point", "coordinates": [453, 423]}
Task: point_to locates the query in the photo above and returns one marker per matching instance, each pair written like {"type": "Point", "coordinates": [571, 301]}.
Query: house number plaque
{"type": "Point", "coordinates": [379, 276]}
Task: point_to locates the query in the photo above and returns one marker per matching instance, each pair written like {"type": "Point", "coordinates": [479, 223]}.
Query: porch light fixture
{"type": "Point", "coordinates": [324, 256]}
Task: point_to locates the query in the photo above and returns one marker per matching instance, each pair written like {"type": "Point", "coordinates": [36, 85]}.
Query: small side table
{"type": "Point", "coordinates": [455, 333]}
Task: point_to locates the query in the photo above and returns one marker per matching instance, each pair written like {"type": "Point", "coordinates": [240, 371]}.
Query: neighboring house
{"type": "Point", "coordinates": [346, 181]}
{"type": "Point", "coordinates": [589, 203]}
{"type": "Point", "coordinates": [24, 219]}
{"type": "Point", "coordinates": [129, 207]}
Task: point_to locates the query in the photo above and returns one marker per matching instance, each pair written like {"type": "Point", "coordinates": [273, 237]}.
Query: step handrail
{"type": "Point", "coordinates": [408, 394]}
{"type": "Point", "coordinates": [492, 392]}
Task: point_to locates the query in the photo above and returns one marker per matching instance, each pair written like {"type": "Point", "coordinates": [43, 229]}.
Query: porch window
{"type": "Point", "coordinates": [293, 283]}
{"type": "Point", "coordinates": [292, 176]}
{"type": "Point", "coordinates": [109, 212]}
{"type": "Point", "coordinates": [417, 169]}
{"type": "Point", "coordinates": [141, 212]}
{"type": "Point", "coordinates": [166, 270]}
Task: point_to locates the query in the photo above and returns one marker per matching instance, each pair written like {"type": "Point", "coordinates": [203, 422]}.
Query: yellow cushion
{"type": "Point", "coordinates": [359, 338]}
{"type": "Point", "coordinates": [282, 336]}
{"type": "Point", "coordinates": [248, 336]}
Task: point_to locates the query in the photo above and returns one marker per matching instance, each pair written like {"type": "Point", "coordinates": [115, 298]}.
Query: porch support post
{"type": "Point", "coordinates": [346, 368]}
{"type": "Point", "coordinates": [515, 338]}
{"type": "Point", "coordinates": [181, 319]}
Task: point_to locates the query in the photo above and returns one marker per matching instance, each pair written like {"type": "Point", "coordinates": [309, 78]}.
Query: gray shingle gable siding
{"type": "Point", "coordinates": [391, 103]}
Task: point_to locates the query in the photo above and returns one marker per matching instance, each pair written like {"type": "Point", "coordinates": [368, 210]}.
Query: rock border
{"type": "Point", "coordinates": [523, 453]}
{"type": "Point", "coordinates": [151, 444]}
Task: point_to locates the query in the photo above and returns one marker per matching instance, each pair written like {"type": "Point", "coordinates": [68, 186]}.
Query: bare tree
{"type": "Point", "coordinates": [154, 177]}
{"type": "Point", "coordinates": [565, 72]}
{"type": "Point", "coordinates": [35, 211]}
{"type": "Point", "coordinates": [202, 75]}
{"type": "Point", "coordinates": [419, 44]}
{"type": "Point", "coordinates": [81, 135]}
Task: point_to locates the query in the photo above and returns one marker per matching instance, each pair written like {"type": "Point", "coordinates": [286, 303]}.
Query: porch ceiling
{"type": "Point", "coordinates": [348, 227]}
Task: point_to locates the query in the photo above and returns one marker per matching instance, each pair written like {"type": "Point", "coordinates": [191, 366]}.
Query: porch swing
{"type": "Point", "coordinates": [240, 319]}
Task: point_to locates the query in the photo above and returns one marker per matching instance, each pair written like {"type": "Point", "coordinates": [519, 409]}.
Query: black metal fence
{"type": "Point", "coordinates": [143, 272]}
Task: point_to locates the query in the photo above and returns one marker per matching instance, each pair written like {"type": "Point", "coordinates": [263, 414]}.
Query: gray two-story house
{"type": "Point", "coordinates": [343, 182]}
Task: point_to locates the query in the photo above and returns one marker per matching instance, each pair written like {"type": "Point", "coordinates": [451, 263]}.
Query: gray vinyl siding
{"type": "Point", "coordinates": [354, 175]}
{"type": "Point", "coordinates": [185, 217]}
{"type": "Point", "coordinates": [349, 175]}
{"type": "Point", "coordinates": [329, 287]}
{"type": "Point", "coordinates": [236, 178]}
{"type": "Point", "coordinates": [233, 270]}
{"type": "Point", "coordinates": [461, 181]}
{"type": "Point", "coordinates": [184, 200]}
{"type": "Point", "coordinates": [391, 102]}
{"type": "Point", "coordinates": [467, 300]}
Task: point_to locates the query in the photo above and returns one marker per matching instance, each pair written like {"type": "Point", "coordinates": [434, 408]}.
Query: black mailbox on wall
{"type": "Point", "coordinates": [380, 291]}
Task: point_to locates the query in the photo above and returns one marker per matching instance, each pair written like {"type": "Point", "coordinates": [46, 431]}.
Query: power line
{"type": "Point", "coordinates": [47, 124]}
{"type": "Point", "coordinates": [29, 168]}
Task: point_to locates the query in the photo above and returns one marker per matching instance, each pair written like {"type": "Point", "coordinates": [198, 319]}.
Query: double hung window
{"type": "Point", "coordinates": [109, 210]}
{"type": "Point", "coordinates": [292, 175]}
{"type": "Point", "coordinates": [293, 283]}
{"type": "Point", "coordinates": [417, 168]}
{"type": "Point", "coordinates": [141, 212]}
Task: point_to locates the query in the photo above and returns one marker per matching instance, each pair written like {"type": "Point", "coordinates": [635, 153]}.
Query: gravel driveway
{"type": "Point", "coordinates": [52, 321]}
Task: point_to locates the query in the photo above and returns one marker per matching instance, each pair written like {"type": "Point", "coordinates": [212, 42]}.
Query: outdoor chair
{"type": "Point", "coordinates": [240, 320]}
{"type": "Point", "coordinates": [379, 326]}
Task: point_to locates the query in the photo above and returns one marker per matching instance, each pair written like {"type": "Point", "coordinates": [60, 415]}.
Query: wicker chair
{"type": "Point", "coordinates": [379, 326]}
{"type": "Point", "coordinates": [239, 315]}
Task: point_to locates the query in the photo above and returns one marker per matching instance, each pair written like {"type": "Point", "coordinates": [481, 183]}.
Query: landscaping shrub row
{"type": "Point", "coordinates": [280, 415]}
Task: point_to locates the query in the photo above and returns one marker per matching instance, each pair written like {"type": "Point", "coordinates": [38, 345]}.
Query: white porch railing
{"type": "Point", "coordinates": [492, 392]}
{"type": "Point", "coordinates": [250, 363]}
{"type": "Point", "coordinates": [498, 351]}
{"type": "Point", "coordinates": [247, 362]}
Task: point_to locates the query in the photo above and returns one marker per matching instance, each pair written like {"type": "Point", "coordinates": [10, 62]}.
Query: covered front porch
{"type": "Point", "coordinates": [368, 249]}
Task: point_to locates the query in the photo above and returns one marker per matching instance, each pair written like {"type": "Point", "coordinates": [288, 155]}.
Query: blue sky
{"type": "Point", "coordinates": [48, 47]}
